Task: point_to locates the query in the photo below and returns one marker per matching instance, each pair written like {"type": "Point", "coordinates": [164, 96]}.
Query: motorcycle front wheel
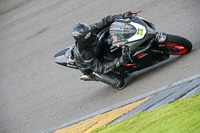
{"type": "Point", "coordinates": [176, 45]}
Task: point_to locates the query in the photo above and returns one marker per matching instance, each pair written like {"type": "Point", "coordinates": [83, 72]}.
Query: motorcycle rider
{"type": "Point", "coordinates": [87, 51]}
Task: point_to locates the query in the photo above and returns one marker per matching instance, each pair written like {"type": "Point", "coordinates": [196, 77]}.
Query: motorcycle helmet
{"type": "Point", "coordinates": [83, 34]}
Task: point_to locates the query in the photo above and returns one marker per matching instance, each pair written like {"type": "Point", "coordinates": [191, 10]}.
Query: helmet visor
{"type": "Point", "coordinates": [87, 40]}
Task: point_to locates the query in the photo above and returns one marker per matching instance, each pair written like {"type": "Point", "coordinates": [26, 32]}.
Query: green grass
{"type": "Point", "coordinates": [182, 116]}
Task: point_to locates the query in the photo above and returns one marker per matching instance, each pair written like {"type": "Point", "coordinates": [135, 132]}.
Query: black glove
{"type": "Point", "coordinates": [127, 14]}
{"type": "Point", "coordinates": [123, 59]}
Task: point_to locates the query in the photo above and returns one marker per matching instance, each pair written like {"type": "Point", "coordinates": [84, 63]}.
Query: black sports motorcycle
{"type": "Point", "coordinates": [136, 37]}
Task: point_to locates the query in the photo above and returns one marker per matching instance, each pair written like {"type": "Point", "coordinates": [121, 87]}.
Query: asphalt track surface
{"type": "Point", "coordinates": [146, 102]}
{"type": "Point", "coordinates": [36, 94]}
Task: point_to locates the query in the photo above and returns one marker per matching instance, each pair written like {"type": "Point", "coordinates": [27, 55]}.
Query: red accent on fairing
{"type": "Point", "coordinates": [119, 45]}
{"type": "Point", "coordinates": [141, 55]}
{"type": "Point", "coordinates": [68, 62]}
{"type": "Point", "coordinates": [162, 45]}
{"type": "Point", "coordinates": [175, 49]}
{"type": "Point", "coordinates": [129, 64]}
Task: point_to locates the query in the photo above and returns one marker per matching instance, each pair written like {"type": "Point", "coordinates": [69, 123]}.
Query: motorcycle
{"type": "Point", "coordinates": [136, 37]}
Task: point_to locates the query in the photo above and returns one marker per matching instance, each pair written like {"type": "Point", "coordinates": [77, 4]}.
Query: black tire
{"type": "Point", "coordinates": [178, 41]}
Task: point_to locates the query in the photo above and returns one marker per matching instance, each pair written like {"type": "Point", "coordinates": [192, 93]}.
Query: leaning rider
{"type": "Point", "coordinates": [87, 51]}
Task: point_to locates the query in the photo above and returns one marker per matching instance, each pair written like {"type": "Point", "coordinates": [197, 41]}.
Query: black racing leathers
{"type": "Point", "coordinates": [88, 60]}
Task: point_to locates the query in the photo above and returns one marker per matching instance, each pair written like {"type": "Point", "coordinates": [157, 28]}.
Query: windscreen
{"type": "Point", "coordinates": [120, 32]}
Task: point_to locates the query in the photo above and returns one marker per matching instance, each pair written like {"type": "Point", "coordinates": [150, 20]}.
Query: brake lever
{"type": "Point", "coordinates": [135, 13]}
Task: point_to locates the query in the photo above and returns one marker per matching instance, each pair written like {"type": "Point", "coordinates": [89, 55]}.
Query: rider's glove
{"type": "Point", "coordinates": [127, 14]}
{"type": "Point", "coordinates": [123, 59]}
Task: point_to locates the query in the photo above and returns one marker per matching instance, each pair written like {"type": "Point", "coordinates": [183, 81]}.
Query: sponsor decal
{"type": "Point", "coordinates": [140, 31]}
{"type": "Point", "coordinates": [114, 38]}
{"type": "Point", "coordinates": [142, 55]}
{"type": "Point", "coordinates": [126, 27]}
{"type": "Point", "coordinates": [72, 66]}
{"type": "Point", "coordinates": [88, 35]}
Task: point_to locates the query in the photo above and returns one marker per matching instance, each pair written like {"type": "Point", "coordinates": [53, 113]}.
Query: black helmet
{"type": "Point", "coordinates": [83, 34]}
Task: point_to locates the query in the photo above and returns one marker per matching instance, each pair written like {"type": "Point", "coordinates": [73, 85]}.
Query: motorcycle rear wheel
{"type": "Point", "coordinates": [177, 45]}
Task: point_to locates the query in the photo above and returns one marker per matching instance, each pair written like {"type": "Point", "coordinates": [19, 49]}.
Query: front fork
{"type": "Point", "coordinates": [161, 37]}
{"type": "Point", "coordinates": [161, 49]}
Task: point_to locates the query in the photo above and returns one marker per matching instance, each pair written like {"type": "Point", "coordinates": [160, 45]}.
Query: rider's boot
{"type": "Point", "coordinates": [110, 78]}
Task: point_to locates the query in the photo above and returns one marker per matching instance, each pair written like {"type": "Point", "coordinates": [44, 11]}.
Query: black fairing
{"type": "Point", "coordinates": [61, 53]}
{"type": "Point", "coordinates": [66, 57]}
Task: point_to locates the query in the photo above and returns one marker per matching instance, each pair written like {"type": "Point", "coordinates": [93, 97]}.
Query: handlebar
{"type": "Point", "coordinates": [135, 13]}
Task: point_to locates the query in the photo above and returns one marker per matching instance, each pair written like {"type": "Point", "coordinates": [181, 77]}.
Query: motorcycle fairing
{"type": "Point", "coordinates": [141, 32]}
{"type": "Point", "coordinates": [65, 57]}
{"type": "Point", "coordinates": [139, 39]}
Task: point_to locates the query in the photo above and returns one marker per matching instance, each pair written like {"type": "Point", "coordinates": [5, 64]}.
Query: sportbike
{"type": "Point", "coordinates": [136, 37]}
